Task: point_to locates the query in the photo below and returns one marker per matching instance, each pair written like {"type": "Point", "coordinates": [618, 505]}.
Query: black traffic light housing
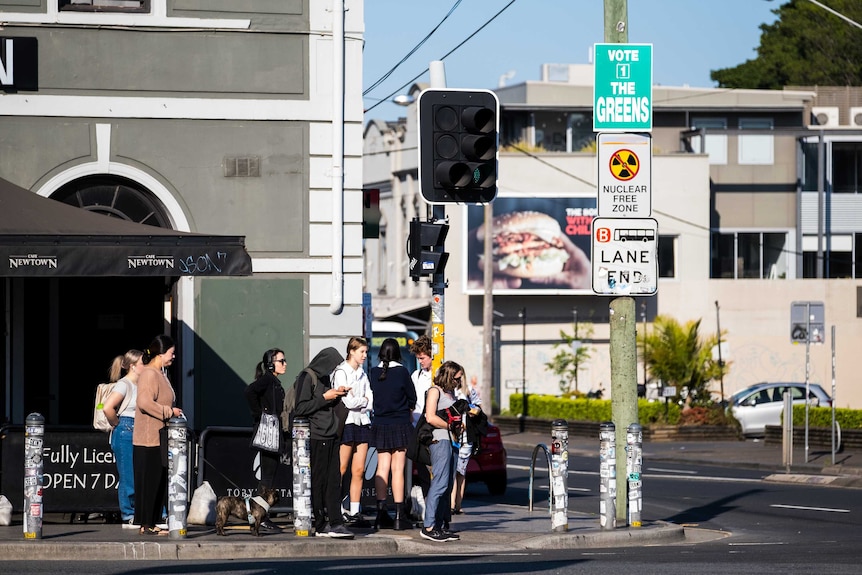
{"type": "Point", "coordinates": [458, 145]}
{"type": "Point", "coordinates": [425, 247]}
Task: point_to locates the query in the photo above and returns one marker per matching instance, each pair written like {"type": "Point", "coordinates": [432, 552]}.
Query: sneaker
{"type": "Point", "coordinates": [355, 520]}
{"type": "Point", "coordinates": [268, 525]}
{"type": "Point", "coordinates": [323, 532]}
{"type": "Point", "coordinates": [163, 525]}
{"type": "Point", "coordinates": [130, 524]}
{"type": "Point", "coordinates": [433, 535]}
{"type": "Point", "coordinates": [450, 535]}
{"type": "Point", "coordinates": [340, 532]}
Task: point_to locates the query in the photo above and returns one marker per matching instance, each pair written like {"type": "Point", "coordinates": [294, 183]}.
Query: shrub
{"type": "Point", "coordinates": [822, 417]}
{"type": "Point", "coordinates": [583, 409]}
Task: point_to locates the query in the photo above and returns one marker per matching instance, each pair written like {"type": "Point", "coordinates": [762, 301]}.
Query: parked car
{"type": "Point", "coordinates": [761, 404]}
{"type": "Point", "coordinates": [489, 464]}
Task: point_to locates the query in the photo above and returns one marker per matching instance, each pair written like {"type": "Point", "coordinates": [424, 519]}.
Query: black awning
{"type": "Point", "coordinates": [40, 237]}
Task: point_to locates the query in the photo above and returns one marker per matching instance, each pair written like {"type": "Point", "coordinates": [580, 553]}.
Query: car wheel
{"type": "Point", "coordinates": [497, 485]}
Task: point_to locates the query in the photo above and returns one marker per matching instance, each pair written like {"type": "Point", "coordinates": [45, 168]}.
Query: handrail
{"type": "Point", "coordinates": [544, 448]}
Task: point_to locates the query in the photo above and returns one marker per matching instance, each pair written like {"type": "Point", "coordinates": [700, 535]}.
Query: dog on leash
{"type": "Point", "coordinates": [241, 508]}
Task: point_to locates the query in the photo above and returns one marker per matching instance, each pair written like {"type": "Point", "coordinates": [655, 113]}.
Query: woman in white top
{"type": "Point", "coordinates": [119, 409]}
{"type": "Point", "coordinates": [357, 427]}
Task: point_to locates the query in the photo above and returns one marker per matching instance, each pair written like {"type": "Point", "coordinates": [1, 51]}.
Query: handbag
{"type": "Point", "coordinates": [267, 436]}
{"type": "Point", "coordinates": [418, 444]}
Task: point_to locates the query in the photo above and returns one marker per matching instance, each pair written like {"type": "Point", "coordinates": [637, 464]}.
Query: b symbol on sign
{"type": "Point", "coordinates": [603, 235]}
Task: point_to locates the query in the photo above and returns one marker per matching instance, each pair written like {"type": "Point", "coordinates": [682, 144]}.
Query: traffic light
{"type": "Point", "coordinates": [458, 141]}
{"type": "Point", "coordinates": [425, 248]}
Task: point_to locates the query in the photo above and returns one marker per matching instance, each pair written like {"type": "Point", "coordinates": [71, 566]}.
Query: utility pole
{"type": "Point", "coordinates": [438, 280]}
{"type": "Point", "coordinates": [623, 317]}
{"type": "Point", "coordinates": [488, 314]}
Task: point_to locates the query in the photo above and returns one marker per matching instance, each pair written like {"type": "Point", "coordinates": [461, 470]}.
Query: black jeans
{"type": "Point", "coordinates": [325, 483]}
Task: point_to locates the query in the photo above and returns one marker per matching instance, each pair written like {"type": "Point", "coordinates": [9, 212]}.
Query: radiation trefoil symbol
{"type": "Point", "coordinates": [624, 165]}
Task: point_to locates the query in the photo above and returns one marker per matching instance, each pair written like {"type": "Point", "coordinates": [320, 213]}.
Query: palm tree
{"type": "Point", "coordinates": [678, 356]}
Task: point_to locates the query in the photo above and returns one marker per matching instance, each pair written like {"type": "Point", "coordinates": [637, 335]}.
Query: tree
{"type": "Point", "coordinates": [679, 357]}
{"type": "Point", "coordinates": [806, 46]}
{"type": "Point", "coordinates": [571, 356]}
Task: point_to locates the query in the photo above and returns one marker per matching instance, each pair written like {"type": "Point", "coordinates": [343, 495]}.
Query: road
{"type": "Point", "coordinates": [744, 525]}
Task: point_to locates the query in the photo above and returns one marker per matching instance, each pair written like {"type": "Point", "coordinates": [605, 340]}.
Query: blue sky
{"type": "Point", "coordinates": [690, 38]}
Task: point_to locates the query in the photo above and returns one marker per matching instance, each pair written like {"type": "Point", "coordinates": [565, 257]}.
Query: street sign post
{"type": "Point", "coordinates": [625, 175]}
{"type": "Point", "coordinates": [622, 90]}
{"type": "Point", "coordinates": [625, 256]}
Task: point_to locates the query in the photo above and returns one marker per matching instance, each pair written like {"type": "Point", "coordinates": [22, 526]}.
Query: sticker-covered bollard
{"type": "Point", "coordinates": [634, 462]}
{"type": "Point", "coordinates": [560, 474]}
{"type": "Point", "coordinates": [34, 435]}
{"type": "Point", "coordinates": [608, 475]}
{"type": "Point", "coordinates": [178, 477]}
{"type": "Point", "coordinates": [301, 477]}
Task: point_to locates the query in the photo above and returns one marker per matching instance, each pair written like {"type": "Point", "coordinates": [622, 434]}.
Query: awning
{"type": "Point", "coordinates": [40, 237]}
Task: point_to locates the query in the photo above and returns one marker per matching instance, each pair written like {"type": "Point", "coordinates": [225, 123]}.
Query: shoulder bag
{"type": "Point", "coordinates": [267, 436]}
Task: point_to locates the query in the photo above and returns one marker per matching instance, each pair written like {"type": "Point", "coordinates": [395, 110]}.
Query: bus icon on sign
{"type": "Point", "coordinates": [634, 235]}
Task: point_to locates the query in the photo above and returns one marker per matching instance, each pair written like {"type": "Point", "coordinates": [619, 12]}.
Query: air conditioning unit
{"type": "Point", "coordinates": [826, 116]}
{"type": "Point", "coordinates": [856, 116]}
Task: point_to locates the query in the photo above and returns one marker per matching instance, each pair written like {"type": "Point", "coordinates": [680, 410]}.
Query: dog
{"type": "Point", "coordinates": [236, 506]}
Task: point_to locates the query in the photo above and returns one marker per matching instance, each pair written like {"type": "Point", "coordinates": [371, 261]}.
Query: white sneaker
{"type": "Point", "coordinates": [163, 526]}
{"type": "Point", "coordinates": [130, 524]}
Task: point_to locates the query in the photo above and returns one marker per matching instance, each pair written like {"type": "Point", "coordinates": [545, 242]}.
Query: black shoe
{"type": "Point", "coordinates": [356, 520]}
{"type": "Point", "coordinates": [450, 535]}
{"type": "Point", "coordinates": [433, 535]}
{"type": "Point", "coordinates": [383, 520]}
{"type": "Point", "coordinates": [269, 525]}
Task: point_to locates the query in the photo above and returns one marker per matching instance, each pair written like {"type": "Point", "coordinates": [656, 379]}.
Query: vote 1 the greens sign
{"type": "Point", "coordinates": [622, 91]}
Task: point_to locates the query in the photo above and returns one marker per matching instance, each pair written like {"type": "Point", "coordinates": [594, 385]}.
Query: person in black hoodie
{"type": "Point", "coordinates": [266, 393]}
{"type": "Point", "coordinates": [316, 400]}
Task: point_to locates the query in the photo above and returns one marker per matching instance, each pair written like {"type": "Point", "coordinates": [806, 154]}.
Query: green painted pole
{"type": "Point", "coordinates": [623, 318]}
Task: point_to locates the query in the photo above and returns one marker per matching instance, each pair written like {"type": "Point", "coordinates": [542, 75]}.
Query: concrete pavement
{"type": "Point", "coordinates": [485, 527]}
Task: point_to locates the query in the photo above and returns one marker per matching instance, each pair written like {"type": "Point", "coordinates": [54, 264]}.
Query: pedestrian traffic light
{"type": "Point", "coordinates": [458, 141]}
{"type": "Point", "coordinates": [425, 248]}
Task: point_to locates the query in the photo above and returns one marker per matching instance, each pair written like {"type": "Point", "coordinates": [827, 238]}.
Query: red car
{"type": "Point", "coordinates": [489, 464]}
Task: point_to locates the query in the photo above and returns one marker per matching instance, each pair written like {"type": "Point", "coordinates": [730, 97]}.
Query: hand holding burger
{"type": "Point", "coordinates": [530, 245]}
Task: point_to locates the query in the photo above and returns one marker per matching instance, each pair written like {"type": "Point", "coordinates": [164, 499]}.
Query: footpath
{"type": "Point", "coordinates": [485, 527]}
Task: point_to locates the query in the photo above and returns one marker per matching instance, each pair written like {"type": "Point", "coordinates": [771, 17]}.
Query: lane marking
{"type": "Point", "coordinates": [755, 544]}
{"type": "Point", "coordinates": [662, 470]}
{"type": "Point", "coordinates": [806, 508]}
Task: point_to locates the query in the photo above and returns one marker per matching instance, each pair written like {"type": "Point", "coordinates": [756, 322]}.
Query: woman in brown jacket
{"type": "Point", "coordinates": [155, 406]}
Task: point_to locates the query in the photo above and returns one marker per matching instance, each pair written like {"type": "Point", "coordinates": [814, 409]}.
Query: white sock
{"type": "Point", "coordinates": [354, 507]}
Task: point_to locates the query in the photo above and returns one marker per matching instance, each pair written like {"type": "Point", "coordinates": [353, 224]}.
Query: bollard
{"type": "Point", "coordinates": [634, 462]}
{"type": "Point", "coordinates": [560, 475]}
{"type": "Point", "coordinates": [608, 474]}
{"type": "Point", "coordinates": [301, 477]}
{"type": "Point", "coordinates": [178, 477]}
{"type": "Point", "coordinates": [34, 435]}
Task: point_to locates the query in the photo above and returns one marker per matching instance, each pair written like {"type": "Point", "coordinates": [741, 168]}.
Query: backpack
{"type": "Point", "coordinates": [103, 390]}
{"type": "Point", "coordinates": [290, 393]}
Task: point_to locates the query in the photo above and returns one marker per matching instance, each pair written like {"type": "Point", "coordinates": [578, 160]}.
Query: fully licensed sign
{"type": "Point", "coordinates": [625, 175]}
{"type": "Point", "coordinates": [622, 91]}
{"type": "Point", "coordinates": [625, 256]}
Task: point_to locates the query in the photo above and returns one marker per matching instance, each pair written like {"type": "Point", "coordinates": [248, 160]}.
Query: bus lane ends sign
{"type": "Point", "coordinates": [625, 256]}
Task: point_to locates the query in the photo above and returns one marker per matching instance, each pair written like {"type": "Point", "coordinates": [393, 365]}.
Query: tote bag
{"type": "Point", "coordinates": [267, 436]}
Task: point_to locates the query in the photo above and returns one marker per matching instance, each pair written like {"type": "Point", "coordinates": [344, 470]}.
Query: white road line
{"type": "Point", "coordinates": [661, 470]}
{"type": "Point", "coordinates": [544, 473]}
{"type": "Point", "coordinates": [806, 508]}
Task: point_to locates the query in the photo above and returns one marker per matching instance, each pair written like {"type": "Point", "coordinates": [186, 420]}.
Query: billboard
{"type": "Point", "coordinates": [541, 245]}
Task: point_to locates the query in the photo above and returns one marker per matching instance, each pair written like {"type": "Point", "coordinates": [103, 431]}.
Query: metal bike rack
{"type": "Point", "coordinates": [544, 448]}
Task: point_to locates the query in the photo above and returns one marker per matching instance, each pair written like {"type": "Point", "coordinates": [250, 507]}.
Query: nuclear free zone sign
{"type": "Point", "coordinates": [622, 91]}
{"type": "Point", "coordinates": [625, 175]}
{"type": "Point", "coordinates": [625, 256]}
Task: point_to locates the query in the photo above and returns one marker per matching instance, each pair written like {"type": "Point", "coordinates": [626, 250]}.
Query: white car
{"type": "Point", "coordinates": [761, 404]}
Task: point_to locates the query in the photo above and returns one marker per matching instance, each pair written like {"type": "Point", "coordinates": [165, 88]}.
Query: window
{"type": "Point", "coordinates": [759, 255]}
{"type": "Point", "coordinates": [714, 145]}
{"type": "Point", "coordinates": [840, 256]}
{"type": "Point", "coordinates": [756, 149]}
{"type": "Point", "coordinates": [846, 167]}
{"type": "Point", "coordinates": [105, 5]}
{"type": "Point", "coordinates": [667, 256]}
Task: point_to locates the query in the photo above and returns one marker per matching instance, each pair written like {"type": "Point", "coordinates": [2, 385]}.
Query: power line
{"type": "Point", "coordinates": [449, 53]}
{"type": "Point", "coordinates": [412, 51]}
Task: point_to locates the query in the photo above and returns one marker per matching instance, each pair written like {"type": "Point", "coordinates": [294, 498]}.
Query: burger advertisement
{"type": "Point", "coordinates": [539, 245]}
